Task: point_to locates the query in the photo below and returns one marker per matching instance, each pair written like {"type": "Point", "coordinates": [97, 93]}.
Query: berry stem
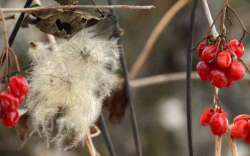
{"type": "Point", "coordinates": [211, 22]}
{"type": "Point", "coordinates": [233, 146]}
{"type": "Point", "coordinates": [218, 141]}
{"type": "Point", "coordinates": [216, 97]}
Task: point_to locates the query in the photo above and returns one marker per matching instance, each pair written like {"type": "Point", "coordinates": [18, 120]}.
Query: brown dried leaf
{"type": "Point", "coordinates": [62, 24]}
{"type": "Point", "coordinates": [68, 2]}
{"type": "Point", "coordinates": [117, 103]}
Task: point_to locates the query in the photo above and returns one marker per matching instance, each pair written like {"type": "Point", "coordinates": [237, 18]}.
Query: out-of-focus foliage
{"type": "Point", "coordinates": [160, 109]}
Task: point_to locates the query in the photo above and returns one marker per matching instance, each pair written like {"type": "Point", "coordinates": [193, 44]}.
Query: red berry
{"type": "Point", "coordinates": [18, 86]}
{"type": "Point", "coordinates": [206, 116]}
{"type": "Point", "coordinates": [236, 71]}
{"type": "Point", "coordinates": [230, 82]}
{"type": "Point", "coordinates": [219, 124]}
{"type": "Point", "coordinates": [239, 129]}
{"type": "Point", "coordinates": [203, 70]}
{"type": "Point", "coordinates": [8, 103]}
{"type": "Point", "coordinates": [224, 59]}
{"type": "Point", "coordinates": [237, 47]}
{"type": "Point", "coordinates": [247, 139]}
{"type": "Point", "coordinates": [220, 110]}
{"type": "Point", "coordinates": [200, 48]}
{"type": "Point", "coordinates": [218, 78]}
{"type": "Point", "coordinates": [209, 53]}
{"type": "Point", "coordinates": [241, 117]}
{"type": "Point", "coordinates": [11, 119]}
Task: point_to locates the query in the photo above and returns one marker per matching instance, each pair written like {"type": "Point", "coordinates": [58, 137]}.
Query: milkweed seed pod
{"type": "Point", "coordinates": [68, 84]}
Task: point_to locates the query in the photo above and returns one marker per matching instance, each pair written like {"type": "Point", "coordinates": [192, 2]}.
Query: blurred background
{"type": "Point", "coordinates": [160, 108]}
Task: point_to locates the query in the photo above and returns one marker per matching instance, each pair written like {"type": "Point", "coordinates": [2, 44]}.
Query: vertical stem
{"type": "Point", "coordinates": [218, 141]}
{"type": "Point", "coordinates": [106, 136]}
{"type": "Point", "coordinates": [216, 96]}
{"type": "Point", "coordinates": [188, 80]}
{"type": "Point", "coordinates": [131, 108]}
{"type": "Point", "coordinates": [116, 33]}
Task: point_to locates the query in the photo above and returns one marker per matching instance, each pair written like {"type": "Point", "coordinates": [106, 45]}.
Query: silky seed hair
{"type": "Point", "coordinates": [68, 84]}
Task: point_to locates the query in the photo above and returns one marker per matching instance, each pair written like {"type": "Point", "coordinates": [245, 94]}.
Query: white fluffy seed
{"type": "Point", "coordinates": [68, 85]}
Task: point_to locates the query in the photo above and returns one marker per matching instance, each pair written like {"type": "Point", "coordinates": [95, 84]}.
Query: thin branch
{"type": "Point", "coordinates": [209, 18]}
{"type": "Point", "coordinates": [159, 79]}
{"type": "Point", "coordinates": [79, 7]}
{"type": "Point", "coordinates": [116, 33]}
{"type": "Point", "coordinates": [188, 79]}
{"type": "Point", "coordinates": [18, 23]}
{"type": "Point", "coordinates": [106, 136]}
{"type": "Point", "coordinates": [90, 145]}
{"type": "Point", "coordinates": [165, 78]}
{"type": "Point", "coordinates": [137, 67]}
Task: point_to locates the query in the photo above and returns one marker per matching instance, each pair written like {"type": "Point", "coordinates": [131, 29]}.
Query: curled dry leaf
{"type": "Point", "coordinates": [67, 2]}
{"type": "Point", "coordinates": [62, 24]}
{"type": "Point", "coordinates": [116, 103]}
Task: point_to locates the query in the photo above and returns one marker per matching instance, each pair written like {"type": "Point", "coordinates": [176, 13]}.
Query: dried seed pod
{"type": "Point", "coordinates": [60, 23]}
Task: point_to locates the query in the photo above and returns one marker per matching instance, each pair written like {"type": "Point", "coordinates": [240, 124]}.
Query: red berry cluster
{"type": "Point", "coordinates": [241, 128]}
{"type": "Point", "coordinates": [219, 63]}
{"type": "Point", "coordinates": [216, 119]}
{"type": "Point", "coordinates": [11, 100]}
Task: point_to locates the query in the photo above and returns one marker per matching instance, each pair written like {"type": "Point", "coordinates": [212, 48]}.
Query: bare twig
{"type": "Point", "coordinates": [218, 141]}
{"type": "Point", "coordinates": [165, 78]}
{"type": "Point", "coordinates": [96, 133]}
{"type": "Point", "coordinates": [188, 79]}
{"type": "Point", "coordinates": [233, 146]}
{"type": "Point", "coordinates": [90, 145]}
{"type": "Point", "coordinates": [18, 23]}
{"type": "Point", "coordinates": [209, 18]}
{"type": "Point", "coordinates": [147, 50]}
{"type": "Point", "coordinates": [135, 129]}
{"type": "Point", "coordinates": [106, 135]}
{"type": "Point", "coordinates": [159, 79]}
{"type": "Point", "coordinates": [79, 7]}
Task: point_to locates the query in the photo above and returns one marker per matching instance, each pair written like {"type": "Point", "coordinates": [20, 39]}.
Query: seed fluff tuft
{"type": "Point", "coordinates": [69, 84]}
